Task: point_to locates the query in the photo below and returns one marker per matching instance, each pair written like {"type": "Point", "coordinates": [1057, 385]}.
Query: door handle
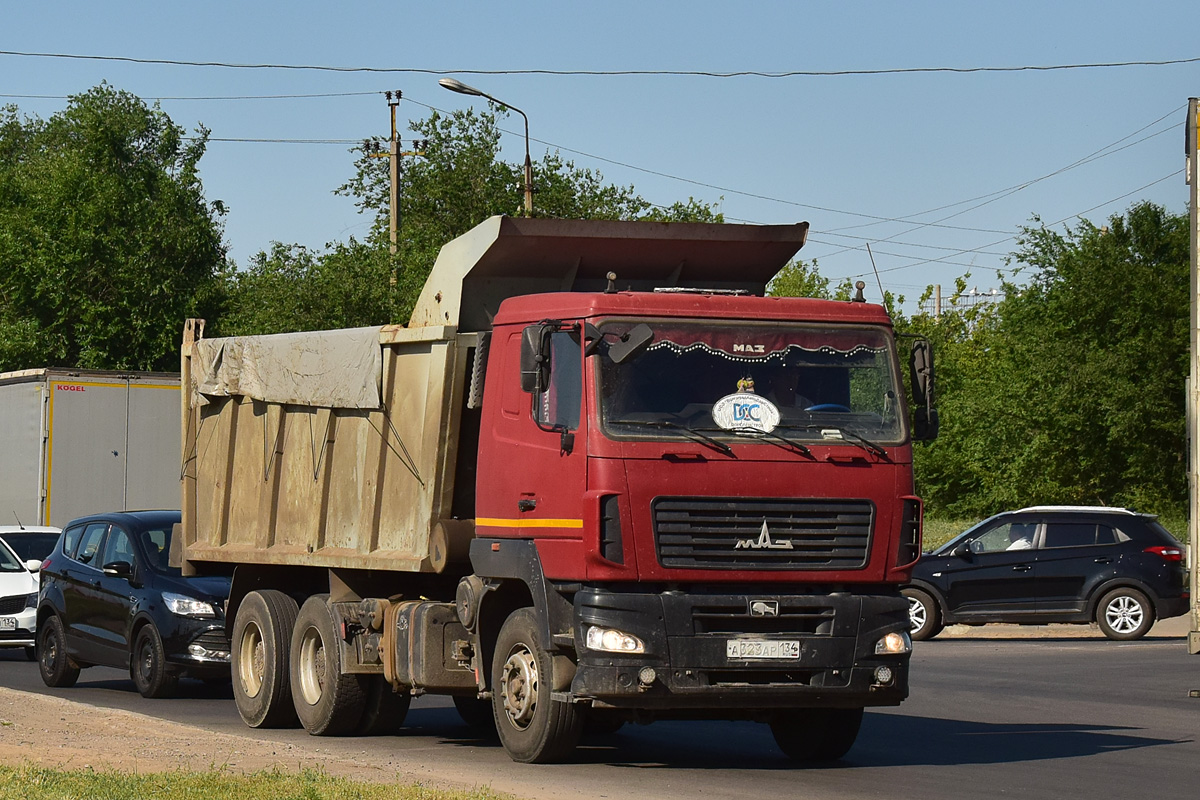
{"type": "Point", "coordinates": [1022, 568]}
{"type": "Point", "coordinates": [526, 505]}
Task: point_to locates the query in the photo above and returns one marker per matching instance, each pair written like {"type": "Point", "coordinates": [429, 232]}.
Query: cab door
{"type": "Point", "coordinates": [532, 451]}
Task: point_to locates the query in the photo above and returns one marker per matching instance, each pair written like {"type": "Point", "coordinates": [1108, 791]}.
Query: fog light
{"type": "Point", "coordinates": [611, 640]}
{"type": "Point", "coordinates": [894, 643]}
{"type": "Point", "coordinates": [647, 676]}
{"type": "Point", "coordinates": [883, 675]}
{"type": "Point", "coordinates": [200, 651]}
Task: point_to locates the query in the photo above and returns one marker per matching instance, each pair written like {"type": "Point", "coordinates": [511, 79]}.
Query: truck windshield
{"type": "Point", "coordinates": [818, 381]}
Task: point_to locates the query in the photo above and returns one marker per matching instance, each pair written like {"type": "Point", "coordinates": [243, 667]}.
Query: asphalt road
{"type": "Point", "coordinates": [989, 716]}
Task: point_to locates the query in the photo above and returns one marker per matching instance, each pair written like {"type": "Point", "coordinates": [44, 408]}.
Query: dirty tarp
{"type": "Point", "coordinates": [326, 369]}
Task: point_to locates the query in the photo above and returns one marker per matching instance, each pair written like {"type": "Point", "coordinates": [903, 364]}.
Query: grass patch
{"type": "Point", "coordinates": [939, 531]}
{"type": "Point", "coordinates": [39, 783]}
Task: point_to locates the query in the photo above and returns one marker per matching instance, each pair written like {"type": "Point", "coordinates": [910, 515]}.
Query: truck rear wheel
{"type": "Point", "coordinates": [384, 710]}
{"type": "Point", "coordinates": [533, 727]}
{"type": "Point", "coordinates": [262, 686]}
{"type": "Point", "coordinates": [329, 702]}
{"type": "Point", "coordinates": [817, 735]}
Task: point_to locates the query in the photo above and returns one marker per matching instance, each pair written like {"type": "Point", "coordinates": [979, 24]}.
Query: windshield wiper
{"type": "Point", "coordinates": [846, 435]}
{"type": "Point", "coordinates": [691, 433]}
{"type": "Point", "coordinates": [773, 438]}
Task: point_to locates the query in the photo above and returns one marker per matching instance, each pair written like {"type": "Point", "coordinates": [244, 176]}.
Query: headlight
{"type": "Point", "coordinates": [31, 600]}
{"type": "Point", "coordinates": [894, 643]}
{"type": "Point", "coordinates": [611, 640]}
{"type": "Point", "coordinates": [186, 606]}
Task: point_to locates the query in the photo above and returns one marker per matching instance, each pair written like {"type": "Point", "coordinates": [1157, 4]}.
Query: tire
{"type": "Point", "coordinates": [262, 631]}
{"type": "Point", "coordinates": [328, 701]}
{"type": "Point", "coordinates": [1124, 614]}
{"type": "Point", "coordinates": [148, 665]}
{"type": "Point", "coordinates": [817, 735]}
{"type": "Point", "coordinates": [923, 613]}
{"type": "Point", "coordinates": [57, 668]}
{"type": "Point", "coordinates": [477, 713]}
{"type": "Point", "coordinates": [384, 710]}
{"type": "Point", "coordinates": [31, 653]}
{"type": "Point", "coordinates": [532, 726]}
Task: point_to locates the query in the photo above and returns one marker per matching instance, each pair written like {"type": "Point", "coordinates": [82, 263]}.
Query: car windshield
{"type": "Point", "coordinates": [823, 381]}
{"type": "Point", "coordinates": [31, 545]}
{"type": "Point", "coordinates": [9, 562]}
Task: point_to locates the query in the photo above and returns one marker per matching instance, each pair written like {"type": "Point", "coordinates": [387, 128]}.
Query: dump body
{"type": "Point", "coordinates": [76, 442]}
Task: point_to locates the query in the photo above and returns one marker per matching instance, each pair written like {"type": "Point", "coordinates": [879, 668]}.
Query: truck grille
{"type": "Point", "coordinates": [763, 533]}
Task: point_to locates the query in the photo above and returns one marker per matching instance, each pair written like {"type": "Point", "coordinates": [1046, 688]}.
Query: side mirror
{"type": "Point", "coordinates": [964, 551]}
{"type": "Point", "coordinates": [33, 565]}
{"type": "Point", "coordinates": [632, 343]}
{"type": "Point", "coordinates": [920, 367]}
{"type": "Point", "coordinates": [535, 357]}
{"type": "Point", "coordinates": [118, 569]}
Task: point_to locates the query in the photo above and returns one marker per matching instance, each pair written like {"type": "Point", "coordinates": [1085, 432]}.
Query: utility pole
{"type": "Point", "coordinates": [394, 153]}
{"type": "Point", "coordinates": [1192, 144]}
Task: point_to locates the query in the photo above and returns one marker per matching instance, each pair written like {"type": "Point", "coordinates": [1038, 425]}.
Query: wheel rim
{"type": "Point", "coordinates": [251, 660]}
{"type": "Point", "coordinates": [917, 614]}
{"type": "Point", "coordinates": [50, 652]}
{"type": "Point", "coordinates": [145, 661]}
{"type": "Point", "coordinates": [313, 668]}
{"type": "Point", "coordinates": [519, 686]}
{"type": "Point", "coordinates": [1124, 614]}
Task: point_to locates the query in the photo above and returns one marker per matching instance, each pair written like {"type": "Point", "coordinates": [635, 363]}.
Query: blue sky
{"type": "Point", "coordinates": [863, 158]}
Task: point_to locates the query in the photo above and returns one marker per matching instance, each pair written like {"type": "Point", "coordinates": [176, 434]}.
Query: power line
{"type": "Point", "coordinates": [612, 73]}
{"type": "Point", "coordinates": [209, 97]}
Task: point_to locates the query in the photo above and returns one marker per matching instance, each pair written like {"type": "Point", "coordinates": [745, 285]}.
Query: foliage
{"type": "Point", "coordinates": [1072, 389]}
{"type": "Point", "coordinates": [40, 783]}
{"type": "Point", "coordinates": [800, 279]}
{"type": "Point", "coordinates": [106, 241]}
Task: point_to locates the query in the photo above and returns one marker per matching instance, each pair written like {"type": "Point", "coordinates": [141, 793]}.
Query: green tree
{"type": "Point", "coordinates": [1072, 389]}
{"type": "Point", "coordinates": [800, 279]}
{"type": "Point", "coordinates": [106, 241]}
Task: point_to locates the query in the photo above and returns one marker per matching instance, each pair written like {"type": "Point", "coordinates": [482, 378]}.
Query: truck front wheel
{"type": "Point", "coordinates": [328, 701]}
{"type": "Point", "coordinates": [817, 735]}
{"type": "Point", "coordinates": [262, 687]}
{"type": "Point", "coordinates": [533, 727]}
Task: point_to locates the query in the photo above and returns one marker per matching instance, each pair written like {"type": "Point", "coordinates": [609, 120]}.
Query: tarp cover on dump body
{"type": "Point", "coordinates": [325, 369]}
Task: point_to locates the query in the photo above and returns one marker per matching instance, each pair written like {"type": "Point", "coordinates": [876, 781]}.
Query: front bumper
{"type": "Point", "coordinates": [686, 637]}
{"type": "Point", "coordinates": [23, 633]}
{"type": "Point", "coordinates": [200, 651]}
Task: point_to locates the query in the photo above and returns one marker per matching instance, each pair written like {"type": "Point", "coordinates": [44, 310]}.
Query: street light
{"type": "Point", "coordinates": [460, 87]}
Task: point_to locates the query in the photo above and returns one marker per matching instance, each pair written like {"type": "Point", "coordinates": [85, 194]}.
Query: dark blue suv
{"type": "Point", "coordinates": [109, 598]}
{"type": "Point", "coordinates": [1113, 566]}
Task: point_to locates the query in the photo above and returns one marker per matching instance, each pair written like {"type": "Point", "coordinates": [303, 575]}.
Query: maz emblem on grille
{"type": "Point", "coordinates": [763, 542]}
{"type": "Point", "coordinates": [764, 608]}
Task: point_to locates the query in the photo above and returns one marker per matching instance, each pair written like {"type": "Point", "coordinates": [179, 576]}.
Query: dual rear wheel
{"type": "Point", "coordinates": [287, 670]}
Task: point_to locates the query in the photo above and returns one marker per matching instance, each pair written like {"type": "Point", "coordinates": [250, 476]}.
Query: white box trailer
{"type": "Point", "coordinates": [75, 442]}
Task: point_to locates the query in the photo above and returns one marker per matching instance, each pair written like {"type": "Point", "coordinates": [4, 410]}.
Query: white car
{"type": "Point", "coordinates": [18, 600]}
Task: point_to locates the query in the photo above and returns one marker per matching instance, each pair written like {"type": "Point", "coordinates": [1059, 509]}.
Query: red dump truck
{"type": "Point", "coordinates": [599, 478]}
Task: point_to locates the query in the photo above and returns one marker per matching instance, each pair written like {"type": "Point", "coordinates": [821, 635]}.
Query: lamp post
{"type": "Point", "coordinates": [460, 87]}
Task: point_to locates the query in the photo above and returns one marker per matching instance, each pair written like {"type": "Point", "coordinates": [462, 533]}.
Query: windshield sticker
{"type": "Point", "coordinates": [746, 385]}
{"type": "Point", "coordinates": [745, 411]}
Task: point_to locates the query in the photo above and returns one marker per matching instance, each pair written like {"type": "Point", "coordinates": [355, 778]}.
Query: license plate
{"type": "Point", "coordinates": [8, 623]}
{"type": "Point", "coordinates": [743, 649]}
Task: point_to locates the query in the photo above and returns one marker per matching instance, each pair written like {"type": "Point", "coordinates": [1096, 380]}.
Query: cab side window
{"type": "Point", "coordinates": [1005, 536]}
{"type": "Point", "coordinates": [89, 543]}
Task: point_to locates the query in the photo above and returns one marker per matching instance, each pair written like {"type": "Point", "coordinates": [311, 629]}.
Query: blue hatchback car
{"type": "Point", "coordinates": [109, 598]}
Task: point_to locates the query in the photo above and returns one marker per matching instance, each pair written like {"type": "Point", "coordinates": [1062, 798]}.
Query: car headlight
{"type": "Point", "coordinates": [186, 606]}
{"type": "Point", "coordinates": [895, 643]}
{"type": "Point", "coordinates": [31, 600]}
{"type": "Point", "coordinates": [611, 640]}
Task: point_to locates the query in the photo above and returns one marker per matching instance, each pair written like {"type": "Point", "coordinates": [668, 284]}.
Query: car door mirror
{"type": "Point", "coordinates": [33, 565]}
{"type": "Point", "coordinates": [965, 551]}
{"type": "Point", "coordinates": [118, 569]}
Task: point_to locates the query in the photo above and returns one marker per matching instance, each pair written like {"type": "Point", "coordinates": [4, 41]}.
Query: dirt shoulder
{"type": "Point", "coordinates": [52, 732]}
